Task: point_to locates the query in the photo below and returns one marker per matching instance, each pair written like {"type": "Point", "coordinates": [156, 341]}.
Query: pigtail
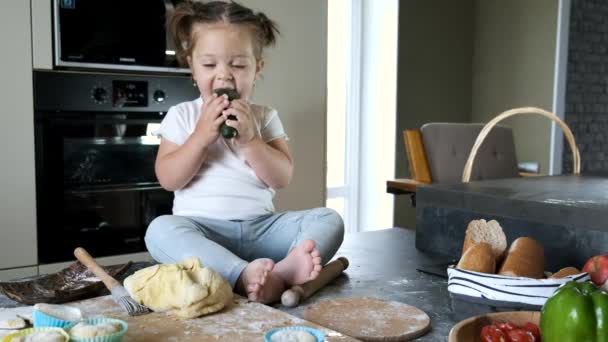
{"type": "Point", "coordinates": [179, 25]}
{"type": "Point", "coordinates": [268, 28]}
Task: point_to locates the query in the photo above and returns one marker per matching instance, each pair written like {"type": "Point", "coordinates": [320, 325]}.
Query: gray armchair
{"type": "Point", "coordinates": [437, 153]}
{"type": "Point", "coordinates": [447, 147]}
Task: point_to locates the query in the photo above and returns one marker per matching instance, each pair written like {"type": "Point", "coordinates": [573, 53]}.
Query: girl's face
{"type": "Point", "coordinates": [223, 58]}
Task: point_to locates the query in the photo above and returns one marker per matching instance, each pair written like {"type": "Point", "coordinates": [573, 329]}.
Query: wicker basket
{"type": "Point", "coordinates": [466, 174]}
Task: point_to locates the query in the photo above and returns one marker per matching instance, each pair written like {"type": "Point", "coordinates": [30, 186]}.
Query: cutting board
{"type": "Point", "coordinates": [240, 321]}
{"type": "Point", "coordinates": [370, 319]}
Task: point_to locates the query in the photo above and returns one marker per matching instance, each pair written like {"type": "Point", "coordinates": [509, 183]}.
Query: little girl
{"type": "Point", "coordinates": [223, 211]}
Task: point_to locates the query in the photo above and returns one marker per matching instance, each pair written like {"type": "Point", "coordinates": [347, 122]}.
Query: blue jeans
{"type": "Point", "coordinates": [227, 246]}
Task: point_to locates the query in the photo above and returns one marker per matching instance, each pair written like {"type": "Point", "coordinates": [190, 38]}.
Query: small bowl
{"type": "Point", "coordinates": [319, 335]}
{"type": "Point", "coordinates": [30, 331]}
{"type": "Point", "coordinates": [52, 315]}
{"type": "Point", "coordinates": [469, 330]}
{"type": "Point", "coordinates": [116, 337]}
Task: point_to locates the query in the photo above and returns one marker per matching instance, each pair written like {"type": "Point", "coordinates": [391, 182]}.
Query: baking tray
{"type": "Point", "coordinates": [72, 283]}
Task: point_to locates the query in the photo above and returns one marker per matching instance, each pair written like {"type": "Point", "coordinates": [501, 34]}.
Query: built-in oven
{"type": "Point", "coordinates": [95, 153]}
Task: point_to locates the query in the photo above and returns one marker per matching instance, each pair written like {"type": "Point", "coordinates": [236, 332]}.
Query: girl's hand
{"type": "Point", "coordinates": [244, 122]}
{"type": "Point", "coordinates": [211, 118]}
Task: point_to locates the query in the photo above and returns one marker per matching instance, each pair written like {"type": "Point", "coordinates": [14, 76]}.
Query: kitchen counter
{"type": "Point", "coordinates": [382, 265]}
{"type": "Point", "coordinates": [563, 213]}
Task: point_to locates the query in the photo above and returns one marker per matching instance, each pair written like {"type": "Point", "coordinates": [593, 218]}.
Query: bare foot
{"type": "Point", "coordinates": [302, 264]}
{"type": "Point", "coordinates": [271, 291]}
{"type": "Point", "coordinates": [253, 278]}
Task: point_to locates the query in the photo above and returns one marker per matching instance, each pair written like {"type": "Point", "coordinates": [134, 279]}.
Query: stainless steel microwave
{"type": "Point", "coordinates": [114, 35]}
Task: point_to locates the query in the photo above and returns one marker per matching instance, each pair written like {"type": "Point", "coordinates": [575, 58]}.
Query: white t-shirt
{"type": "Point", "coordinates": [225, 187]}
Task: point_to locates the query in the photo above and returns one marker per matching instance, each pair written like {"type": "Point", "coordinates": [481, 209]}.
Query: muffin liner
{"type": "Point", "coordinates": [116, 337]}
{"type": "Point", "coordinates": [42, 319]}
{"type": "Point", "coordinates": [319, 335]}
{"type": "Point", "coordinates": [29, 331]}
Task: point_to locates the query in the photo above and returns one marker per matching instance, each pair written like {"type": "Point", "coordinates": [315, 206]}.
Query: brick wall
{"type": "Point", "coordinates": [587, 85]}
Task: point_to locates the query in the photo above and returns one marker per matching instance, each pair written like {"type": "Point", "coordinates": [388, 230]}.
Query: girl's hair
{"type": "Point", "coordinates": [189, 13]}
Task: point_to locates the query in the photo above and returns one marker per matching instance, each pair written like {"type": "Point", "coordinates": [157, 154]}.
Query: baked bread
{"type": "Point", "coordinates": [489, 232]}
{"type": "Point", "coordinates": [479, 258]}
{"type": "Point", "coordinates": [564, 272]}
{"type": "Point", "coordinates": [526, 258]}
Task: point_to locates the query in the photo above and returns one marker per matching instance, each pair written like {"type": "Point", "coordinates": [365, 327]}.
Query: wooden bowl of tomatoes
{"type": "Point", "coordinates": [512, 326]}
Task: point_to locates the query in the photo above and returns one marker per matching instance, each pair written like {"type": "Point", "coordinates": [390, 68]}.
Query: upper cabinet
{"type": "Point", "coordinates": [42, 34]}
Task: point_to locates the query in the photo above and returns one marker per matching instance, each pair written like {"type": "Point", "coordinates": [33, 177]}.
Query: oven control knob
{"type": "Point", "coordinates": [100, 95]}
{"type": "Point", "coordinates": [159, 96]}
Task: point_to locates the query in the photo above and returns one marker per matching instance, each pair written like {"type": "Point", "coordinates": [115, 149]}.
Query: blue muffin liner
{"type": "Point", "coordinates": [30, 331]}
{"type": "Point", "coordinates": [43, 319]}
{"type": "Point", "coordinates": [319, 335]}
{"type": "Point", "coordinates": [116, 337]}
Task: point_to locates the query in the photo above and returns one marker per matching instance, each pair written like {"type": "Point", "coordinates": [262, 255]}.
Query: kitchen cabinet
{"type": "Point", "coordinates": [15, 273]}
{"type": "Point", "coordinates": [17, 179]}
{"type": "Point", "coordinates": [42, 34]}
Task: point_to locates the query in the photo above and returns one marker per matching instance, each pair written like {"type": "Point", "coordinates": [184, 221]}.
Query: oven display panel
{"type": "Point", "coordinates": [129, 94]}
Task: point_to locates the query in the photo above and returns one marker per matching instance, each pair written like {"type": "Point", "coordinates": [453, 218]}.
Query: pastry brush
{"type": "Point", "coordinates": [119, 293]}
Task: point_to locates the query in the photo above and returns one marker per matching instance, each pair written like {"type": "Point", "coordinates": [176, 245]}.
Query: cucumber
{"type": "Point", "coordinates": [225, 130]}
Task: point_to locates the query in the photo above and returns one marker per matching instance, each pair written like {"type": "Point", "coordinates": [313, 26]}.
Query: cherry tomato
{"type": "Point", "coordinates": [506, 326]}
{"type": "Point", "coordinates": [533, 328]}
{"type": "Point", "coordinates": [521, 335]}
{"type": "Point", "coordinates": [491, 333]}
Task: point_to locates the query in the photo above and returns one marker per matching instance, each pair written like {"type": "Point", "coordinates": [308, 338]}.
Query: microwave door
{"type": "Point", "coordinates": [99, 34]}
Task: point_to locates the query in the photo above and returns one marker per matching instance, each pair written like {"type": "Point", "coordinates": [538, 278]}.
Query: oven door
{"type": "Point", "coordinates": [96, 185]}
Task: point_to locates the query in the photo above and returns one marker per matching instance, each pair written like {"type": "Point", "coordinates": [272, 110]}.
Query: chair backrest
{"type": "Point", "coordinates": [447, 147]}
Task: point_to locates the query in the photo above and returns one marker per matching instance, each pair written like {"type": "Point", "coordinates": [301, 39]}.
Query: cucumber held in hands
{"type": "Point", "coordinates": [225, 130]}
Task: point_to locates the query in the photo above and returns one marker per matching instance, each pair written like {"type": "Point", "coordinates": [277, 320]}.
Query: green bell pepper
{"type": "Point", "coordinates": [577, 312]}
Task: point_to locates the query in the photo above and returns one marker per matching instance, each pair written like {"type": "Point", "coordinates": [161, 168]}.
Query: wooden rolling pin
{"type": "Point", "coordinates": [331, 271]}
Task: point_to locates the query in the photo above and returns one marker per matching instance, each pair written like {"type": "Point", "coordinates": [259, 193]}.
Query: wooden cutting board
{"type": "Point", "coordinates": [370, 319]}
{"type": "Point", "coordinates": [241, 321]}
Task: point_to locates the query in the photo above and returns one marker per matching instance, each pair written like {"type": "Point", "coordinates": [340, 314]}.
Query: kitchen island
{"type": "Point", "coordinates": [566, 214]}
{"type": "Point", "coordinates": [382, 265]}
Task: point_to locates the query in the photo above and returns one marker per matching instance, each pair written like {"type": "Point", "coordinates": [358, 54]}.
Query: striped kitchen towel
{"type": "Point", "coordinates": [495, 287]}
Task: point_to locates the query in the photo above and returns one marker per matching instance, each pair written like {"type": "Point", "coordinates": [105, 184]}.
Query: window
{"type": "Point", "coordinates": [336, 106]}
{"type": "Point", "coordinates": [361, 102]}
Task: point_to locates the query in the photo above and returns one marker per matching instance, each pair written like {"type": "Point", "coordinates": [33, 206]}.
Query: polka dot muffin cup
{"type": "Point", "coordinates": [319, 335]}
{"type": "Point", "coordinates": [30, 331]}
{"type": "Point", "coordinates": [116, 337]}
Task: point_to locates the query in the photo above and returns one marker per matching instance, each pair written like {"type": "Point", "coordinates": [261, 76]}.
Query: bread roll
{"type": "Point", "coordinates": [479, 258]}
{"type": "Point", "coordinates": [488, 232]}
{"type": "Point", "coordinates": [526, 258]}
{"type": "Point", "coordinates": [564, 272]}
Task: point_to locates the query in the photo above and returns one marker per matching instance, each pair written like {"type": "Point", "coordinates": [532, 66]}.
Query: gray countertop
{"type": "Point", "coordinates": [566, 214]}
{"type": "Point", "coordinates": [382, 265]}
{"type": "Point", "coordinates": [576, 200]}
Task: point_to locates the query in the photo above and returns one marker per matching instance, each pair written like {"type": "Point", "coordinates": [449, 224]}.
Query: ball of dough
{"type": "Point", "coordinates": [84, 329]}
{"type": "Point", "coordinates": [40, 336]}
{"type": "Point", "coordinates": [292, 336]}
{"type": "Point", "coordinates": [15, 323]}
{"type": "Point", "coordinates": [187, 288]}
